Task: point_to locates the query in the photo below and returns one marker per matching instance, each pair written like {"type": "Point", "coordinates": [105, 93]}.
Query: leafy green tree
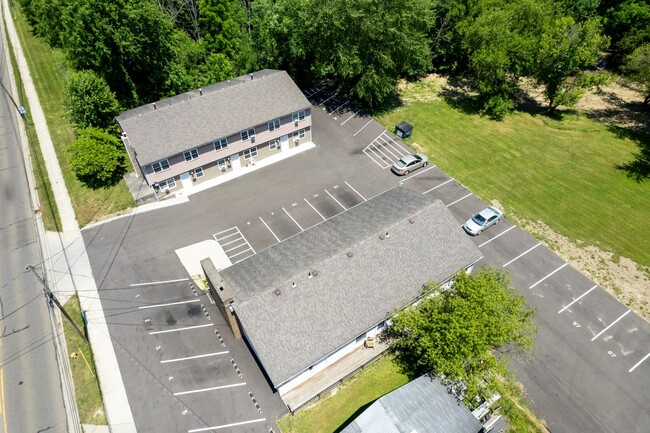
{"type": "Point", "coordinates": [220, 28]}
{"type": "Point", "coordinates": [89, 101]}
{"type": "Point", "coordinates": [455, 333]}
{"type": "Point", "coordinates": [580, 10]}
{"type": "Point", "coordinates": [97, 158]}
{"type": "Point", "coordinates": [627, 23]}
{"type": "Point", "coordinates": [637, 65]}
{"type": "Point", "coordinates": [566, 48]}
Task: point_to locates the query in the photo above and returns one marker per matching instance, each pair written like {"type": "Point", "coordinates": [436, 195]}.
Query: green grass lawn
{"type": "Point", "coordinates": [86, 386]}
{"type": "Point", "coordinates": [561, 172]}
{"type": "Point", "coordinates": [48, 69]}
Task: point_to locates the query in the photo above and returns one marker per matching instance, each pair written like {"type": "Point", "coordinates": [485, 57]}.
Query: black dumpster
{"type": "Point", "coordinates": [403, 130]}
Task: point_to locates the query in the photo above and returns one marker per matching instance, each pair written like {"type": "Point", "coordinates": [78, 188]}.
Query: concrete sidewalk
{"type": "Point", "coordinates": [67, 265]}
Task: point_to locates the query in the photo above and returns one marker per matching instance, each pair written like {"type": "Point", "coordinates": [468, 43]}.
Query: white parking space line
{"type": "Point", "coordinates": [355, 134]}
{"type": "Point", "coordinates": [547, 276]}
{"type": "Point", "coordinates": [346, 120]}
{"type": "Point", "coordinates": [187, 358]}
{"type": "Point", "coordinates": [241, 252]}
{"type": "Point", "coordinates": [578, 298]}
{"type": "Point", "coordinates": [500, 234]}
{"type": "Point", "coordinates": [219, 427]}
{"type": "Point", "coordinates": [610, 325]}
{"type": "Point", "coordinates": [462, 198]}
{"type": "Point", "coordinates": [224, 231]}
{"type": "Point", "coordinates": [364, 199]}
{"type": "Point", "coordinates": [314, 92]}
{"type": "Point", "coordinates": [436, 187]}
{"type": "Point", "coordinates": [334, 198]}
{"type": "Point", "coordinates": [315, 210]}
{"type": "Point", "coordinates": [187, 328]}
{"type": "Point", "coordinates": [292, 219]}
{"type": "Point", "coordinates": [382, 144]}
{"type": "Point", "coordinates": [321, 104]}
{"type": "Point", "coordinates": [403, 150]}
{"type": "Point", "coordinates": [419, 172]}
{"type": "Point", "coordinates": [214, 388]}
{"type": "Point", "coordinates": [372, 154]}
{"type": "Point", "coordinates": [152, 283]}
{"type": "Point", "coordinates": [236, 247]}
{"type": "Point", "coordinates": [339, 107]}
{"type": "Point", "coordinates": [523, 254]}
{"type": "Point", "coordinates": [639, 363]}
{"type": "Point", "coordinates": [233, 241]}
{"type": "Point", "coordinates": [267, 226]}
{"type": "Point", "coordinates": [168, 304]}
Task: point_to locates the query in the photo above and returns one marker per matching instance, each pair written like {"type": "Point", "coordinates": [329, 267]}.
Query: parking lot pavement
{"type": "Point", "coordinates": [385, 150]}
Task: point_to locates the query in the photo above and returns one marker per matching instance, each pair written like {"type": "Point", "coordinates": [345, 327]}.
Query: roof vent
{"type": "Point", "coordinates": [277, 292]}
{"type": "Point", "coordinates": [293, 285]}
{"type": "Point", "coordinates": [154, 106]}
{"type": "Point", "coordinates": [251, 76]}
{"type": "Point", "coordinates": [310, 276]}
{"type": "Point", "coordinates": [350, 254]}
{"type": "Point", "coordinates": [411, 220]}
{"type": "Point", "coordinates": [201, 92]}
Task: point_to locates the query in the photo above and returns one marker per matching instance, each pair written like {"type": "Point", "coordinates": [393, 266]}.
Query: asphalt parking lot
{"type": "Point", "coordinates": [589, 373]}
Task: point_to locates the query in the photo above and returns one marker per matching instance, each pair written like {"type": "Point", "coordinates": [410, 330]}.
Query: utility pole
{"type": "Point", "coordinates": [52, 299]}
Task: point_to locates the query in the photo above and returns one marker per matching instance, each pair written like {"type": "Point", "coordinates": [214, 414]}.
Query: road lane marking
{"type": "Point", "coordinates": [267, 226]}
{"type": "Point", "coordinates": [502, 233]}
{"type": "Point", "coordinates": [639, 363]}
{"type": "Point", "coordinates": [328, 193]}
{"type": "Point", "coordinates": [228, 243]}
{"type": "Point", "coordinates": [523, 254]}
{"type": "Point", "coordinates": [321, 104]}
{"type": "Point", "coordinates": [436, 187]}
{"type": "Point", "coordinates": [339, 107]}
{"type": "Point", "coordinates": [205, 355]}
{"type": "Point", "coordinates": [364, 199]}
{"type": "Point", "coordinates": [346, 120]}
{"type": "Point", "coordinates": [315, 210]}
{"type": "Point", "coordinates": [610, 325]}
{"type": "Point", "coordinates": [180, 329]}
{"type": "Point", "coordinates": [168, 304]}
{"type": "Point", "coordinates": [292, 219]}
{"type": "Point", "coordinates": [547, 276]}
{"type": "Point", "coordinates": [419, 172]}
{"type": "Point", "coordinates": [214, 388]}
{"type": "Point", "coordinates": [355, 134]}
{"type": "Point", "coordinates": [234, 248]}
{"type": "Point", "coordinates": [151, 283]}
{"type": "Point", "coordinates": [240, 253]}
{"type": "Point", "coordinates": [577, 299]}
{"type": "Point", "coordinates": [219, 427]}
{"type": "Point", "coordinates": [462, 198]}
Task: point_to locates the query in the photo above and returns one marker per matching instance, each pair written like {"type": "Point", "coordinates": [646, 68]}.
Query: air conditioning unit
{"type": "Point", "coordinates": [253, 139]}
{"type": "Point", "coordinates": [295, 122]}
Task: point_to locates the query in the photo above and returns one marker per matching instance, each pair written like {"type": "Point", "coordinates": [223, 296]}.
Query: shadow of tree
{"type": "Point", "coordinates": [639, 168]}
{"type": "Point", "coordinates": [354, 416]}
{"type": "Point", "coordinates": [392, 102]}
{"type": "Point", "coordinates": [461, 95]}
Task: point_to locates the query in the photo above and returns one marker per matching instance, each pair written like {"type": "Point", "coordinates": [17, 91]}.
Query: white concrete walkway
{"type": "Point", "coordinates": [69, 255]}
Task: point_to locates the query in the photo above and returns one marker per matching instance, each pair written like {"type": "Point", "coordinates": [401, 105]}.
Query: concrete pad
{"type": "Point", "coordinates": [191, 256]}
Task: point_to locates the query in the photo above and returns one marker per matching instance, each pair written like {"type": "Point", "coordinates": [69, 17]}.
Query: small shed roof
{"type": "Point", "coordinates": [294, 329]}
{"type": "Point", "coordinates": [403, 126]}
{"type": "Point", "coordinates": [195, 118]}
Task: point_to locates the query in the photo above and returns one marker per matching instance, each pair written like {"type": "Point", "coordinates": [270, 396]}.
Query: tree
{"type": "Point", "coordinates": [637, 65]}
{"type": "Point", "coordinates": [455, 333]}
{"type": "Point", "coordinates": [97, 158]}
{"type": "Point", "coordinates": [566, 48]}
{"type": "Point", "coordinates": [628, 25]}
{"type": "Point", "coordinates": [89, 101]}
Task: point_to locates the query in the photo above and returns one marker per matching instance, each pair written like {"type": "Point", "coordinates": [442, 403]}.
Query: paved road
{"type": "Point", "coordinates": [30, 387]}
{"type": "Point", "coordinates": [590, 372]}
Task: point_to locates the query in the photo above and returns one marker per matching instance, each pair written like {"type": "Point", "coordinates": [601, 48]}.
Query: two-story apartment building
{"type": "Point", "coordinates": [198, 135]}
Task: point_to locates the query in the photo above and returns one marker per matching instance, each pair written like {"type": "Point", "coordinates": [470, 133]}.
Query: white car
{"type": "Point", "coordinates": [483, 220]}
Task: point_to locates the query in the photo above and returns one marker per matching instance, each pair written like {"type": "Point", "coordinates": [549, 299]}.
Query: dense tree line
{"type": "Point", "coordinates": [145, 50]}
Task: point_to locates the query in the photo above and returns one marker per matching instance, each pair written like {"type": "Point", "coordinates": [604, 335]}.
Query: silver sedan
{"type": "Point", "coordinates": [483, 220]}
{"type": "Point", "coordinates": [409, 163]}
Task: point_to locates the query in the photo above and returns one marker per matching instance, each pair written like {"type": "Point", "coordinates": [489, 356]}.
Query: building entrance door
{"type": "Point", "coordinates": [235, 162]}
{"type": "Point", "coordinates": [187, 180]}
{"type": "Point", "coordinates": [284, 143]}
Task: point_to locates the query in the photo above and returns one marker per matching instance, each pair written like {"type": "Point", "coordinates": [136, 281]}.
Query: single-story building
{"type": "Point", "coordinates": [205, 133]}
{"type": "Point", "coordinates": [422, 405]}
{"type": "Point", "coordinates": [307, 302]}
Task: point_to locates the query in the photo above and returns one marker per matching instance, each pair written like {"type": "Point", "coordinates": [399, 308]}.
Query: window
{"type": "Point", "coordinates": [248, 153]}
{"type": "Point", "coordinates": [222, 164]}
{"type": "Point", "coordinates": [159, 166]}
{"type": "Point", "coordinates": [246, 135]}
{"type": "Point", "coordinates": [273, 144]}
{"type": "Point", "coordinates": [299, 134]}
{"type": "Point", "coordinates": [274, 124]}
{"type": "Point", "coordinates": [191, 154]}
{"type": "Point", "coordinates": [300, 115]}
{"type": "Point", "coordinates": [198, 172]}
{"type": "Point", "coordinates": [221, 144]}
{"type": "Point", "coordinates": [167, 184]}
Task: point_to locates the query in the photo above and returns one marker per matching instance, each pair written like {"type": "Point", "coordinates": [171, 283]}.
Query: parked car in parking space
{"type": "Point", "coordinates": [408, 163]}
{"type": "Point", "coordinates": [483, 220]}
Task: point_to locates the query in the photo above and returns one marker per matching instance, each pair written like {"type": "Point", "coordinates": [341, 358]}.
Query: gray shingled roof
{"type": "Point", "coordinates": [185, 121]}
{"type": "Point", "coordinates": [420, 406]}
{"type": "Point", "coordinates": [294, 330]}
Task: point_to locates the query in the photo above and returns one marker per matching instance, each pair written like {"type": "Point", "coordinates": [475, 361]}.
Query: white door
{"type": "Point", "coordinates": [235, 162]}
{"type": "Point", "coordinates": [284, 143]}
{"type": "Point", "coordinates": [187, 180]}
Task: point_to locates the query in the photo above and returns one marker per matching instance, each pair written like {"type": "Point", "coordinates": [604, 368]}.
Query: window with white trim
{"type": "Point", "coordinates": [167, 184]}
{"type": "Point", "coordinates": [221, 144]}
{"type": "Point", "coordinates": [247, 135]}
{"type": "Point", "coordinates": [299, 134]}
{"type": "Point", "coordinates": [198, 172]}
{"type": "Point", "coordinates": [248, 153]}
{"type": "Point", "coordinates": [191, 154]}
{"type": "Point", "coordinates": [159, 166]}
{"type": "Point", "coordinates": [274, 124]}
{"type": "Point", "coordinates": [273, 144]}
{"type": "Point", "coordinates": [222, 164]}
{"type": "Point", "coordinates": [298, 116]}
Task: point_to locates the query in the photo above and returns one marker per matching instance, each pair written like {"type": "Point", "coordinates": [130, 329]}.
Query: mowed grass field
{"type": "Point", "coordinates": [562, 172]}
{"type": "Point", "coordinates": [48, 69]}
